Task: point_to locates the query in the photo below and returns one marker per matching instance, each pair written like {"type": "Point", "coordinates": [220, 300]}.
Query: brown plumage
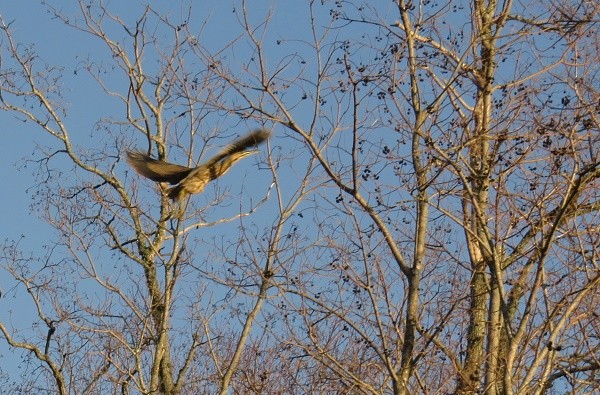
{"type": "Point", "coordinates": [190, 180]}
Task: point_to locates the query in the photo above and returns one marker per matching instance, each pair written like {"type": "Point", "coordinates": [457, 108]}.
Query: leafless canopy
{"type": "Point", "coordinates": [424, 218]}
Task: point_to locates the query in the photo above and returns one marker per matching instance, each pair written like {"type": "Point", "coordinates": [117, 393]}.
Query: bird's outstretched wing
{"type": "Point", "coordinates": [251, 140]}
{"type": "Point", "coordinates": [157, 170]}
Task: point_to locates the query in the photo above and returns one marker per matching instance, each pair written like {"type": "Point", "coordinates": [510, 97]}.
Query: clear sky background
{"type": "Point", "coordinates": [57, 44]}
{"type": "Point", "coordinates": [32, 24]}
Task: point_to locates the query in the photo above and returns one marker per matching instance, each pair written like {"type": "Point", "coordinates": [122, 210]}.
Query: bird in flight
{"type": "Point", "coordinates": [190, 180]}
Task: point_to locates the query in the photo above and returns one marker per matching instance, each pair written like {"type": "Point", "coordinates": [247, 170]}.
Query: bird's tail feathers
{"type": "Point", "coordinates": [175, 192]}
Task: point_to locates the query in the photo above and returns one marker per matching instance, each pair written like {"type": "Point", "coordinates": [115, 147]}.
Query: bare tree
{"type": "Point", "coordinates": [426, 219]}
{"type": "Point", "coordinates": [112, 316]}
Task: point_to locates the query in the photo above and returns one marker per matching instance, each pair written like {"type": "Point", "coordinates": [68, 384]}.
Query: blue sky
{"type": "Point", "coordinates": [32, 24]}
{"type": "Point", "coordinates": [58, 44]}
